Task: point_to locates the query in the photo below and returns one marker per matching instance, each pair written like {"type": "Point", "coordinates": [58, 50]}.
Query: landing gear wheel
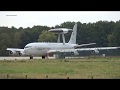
{"type": "Point", "coordinates": [43, 57]}
{"type": "Point", "coordinates": [31, 57]}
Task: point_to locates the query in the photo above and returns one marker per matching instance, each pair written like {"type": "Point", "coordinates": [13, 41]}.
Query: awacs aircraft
{"type": "Point", "coordinates": [44, 49]}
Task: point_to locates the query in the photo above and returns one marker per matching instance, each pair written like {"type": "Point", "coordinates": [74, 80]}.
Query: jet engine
{"type": "Point", "coordinates": [95, 51]}
{"type": "Point", "coordinates": [12, 53]}
{"type": "Point", "coordinates": [74, 53]}
{"type": "Point", "coordinates": [21, 53]}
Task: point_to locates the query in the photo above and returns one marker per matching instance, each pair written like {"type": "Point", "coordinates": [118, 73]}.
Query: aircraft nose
{"type": "Point", "coordinates": [26, 49]}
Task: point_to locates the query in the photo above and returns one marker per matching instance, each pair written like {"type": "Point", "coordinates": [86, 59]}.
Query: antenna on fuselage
{"type": "Point", "coordinates": [63, 38]}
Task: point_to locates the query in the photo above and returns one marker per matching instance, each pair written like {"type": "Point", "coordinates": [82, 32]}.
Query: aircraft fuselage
{"type": "Point", "coordinates": [42, 48]}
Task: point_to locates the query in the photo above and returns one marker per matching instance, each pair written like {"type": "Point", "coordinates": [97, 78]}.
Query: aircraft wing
{"type": "Point", "coordinates": [77, 46]}
{"type": "Point", "coordinates": [60, 50]}
{"type": "Point", "coordinates": [64, 51]}
{"type": "Point", "coordinates": [16, 51]}
{"type": "Point", "coordinates": [96, 50]}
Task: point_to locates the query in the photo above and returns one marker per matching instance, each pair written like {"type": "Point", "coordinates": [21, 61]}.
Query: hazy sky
{"type": "Point", "coordinates": [51, 18]}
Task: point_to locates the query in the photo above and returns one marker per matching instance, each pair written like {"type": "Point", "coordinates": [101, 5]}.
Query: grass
{"type": "Point", "coordinates": [86, 68]}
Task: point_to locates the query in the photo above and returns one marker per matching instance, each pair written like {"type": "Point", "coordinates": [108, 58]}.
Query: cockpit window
{"type": "Point", "coordinates": [28, 46]}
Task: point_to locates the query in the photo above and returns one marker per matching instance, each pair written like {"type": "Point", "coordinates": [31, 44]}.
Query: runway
{"type": "Point", "coordinates": [18, 58]}
{"type": "Point", "coordinates": [28, 58]}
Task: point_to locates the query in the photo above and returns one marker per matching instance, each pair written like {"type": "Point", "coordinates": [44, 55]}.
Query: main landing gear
{"type": "Point", "coordinates": [43, 57]}
{"type": "Point", "coordinates": [31, 57]}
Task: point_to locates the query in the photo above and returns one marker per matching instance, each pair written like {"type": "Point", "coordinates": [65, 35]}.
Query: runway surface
{"type": "Point", "coordinates": [28, 58]}
{"type": "Point", "coordinates": [20, 58]}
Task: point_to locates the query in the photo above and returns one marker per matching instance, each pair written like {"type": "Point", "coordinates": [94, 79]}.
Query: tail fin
{"type": "Point", "coordinates": [73, 35]}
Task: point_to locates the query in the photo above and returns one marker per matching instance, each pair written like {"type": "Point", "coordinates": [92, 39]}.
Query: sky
{"type": "Point", "coordinates": [51, 18]}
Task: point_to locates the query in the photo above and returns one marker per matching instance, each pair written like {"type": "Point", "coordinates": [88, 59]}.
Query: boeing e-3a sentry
{"type": "Point", "coordinates": [44, 49]}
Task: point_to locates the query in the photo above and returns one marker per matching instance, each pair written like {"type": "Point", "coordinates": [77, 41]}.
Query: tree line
{"type": "Point", "coordinates": [103, 33]}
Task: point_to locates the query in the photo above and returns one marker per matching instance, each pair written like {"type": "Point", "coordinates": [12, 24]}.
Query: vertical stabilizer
{"type": "Point", "coordinates": [73, 35]}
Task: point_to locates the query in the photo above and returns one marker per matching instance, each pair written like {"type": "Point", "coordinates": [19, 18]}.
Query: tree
{"type": "Point", "coordinates": [5, 41]}
{"type": "Point", "coordinates": [25, 39]}
{"type": "Point", "coordinates": [17, 39]}
{"type": "Point", "coordinates": [47, 37]}
{"type": "Point", "coordinates": [111, 40]}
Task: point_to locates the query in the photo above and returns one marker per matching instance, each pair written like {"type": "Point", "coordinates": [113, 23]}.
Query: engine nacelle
{"type": "Point", "coordinates": [12, 53]}
{"type": "Point", "coordinates": [74, 53]}
{"type": "Point", "coordinates": [21, 53]}
{"type": "Point", "coordinates": [96, 51]}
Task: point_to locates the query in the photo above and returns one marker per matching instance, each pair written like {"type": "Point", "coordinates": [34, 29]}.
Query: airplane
{"type": "Point", "coordinates": [45, 49]}
{"type": "Point", "coordinates": [41, 48]}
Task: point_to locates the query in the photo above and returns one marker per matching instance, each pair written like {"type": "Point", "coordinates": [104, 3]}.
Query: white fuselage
{"type": "Point", "coordinates": [42, 48]}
